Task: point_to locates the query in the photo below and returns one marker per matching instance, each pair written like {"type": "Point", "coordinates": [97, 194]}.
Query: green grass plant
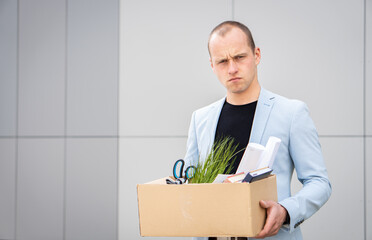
{"type": "Point", "coordinates": [218, 161]}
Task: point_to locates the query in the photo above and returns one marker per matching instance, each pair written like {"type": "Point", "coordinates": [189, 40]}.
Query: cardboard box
{"type": "Point", "coordinates": [203, 210]}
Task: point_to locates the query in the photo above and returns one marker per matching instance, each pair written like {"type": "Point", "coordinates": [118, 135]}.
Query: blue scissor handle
{"type": "Point", "coordinates": [178, 170]}
{"type": "Point", "coordinates": [175, 167]}
{"type": "Point", "coordinates": [190, 171]}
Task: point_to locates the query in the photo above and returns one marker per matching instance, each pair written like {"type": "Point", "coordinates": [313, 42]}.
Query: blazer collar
{"type": "Point", "coordinates": [265, 103]}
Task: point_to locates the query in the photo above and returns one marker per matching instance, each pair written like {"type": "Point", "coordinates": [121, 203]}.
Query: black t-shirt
{"type": "Point", "coordinates": [236, 121]}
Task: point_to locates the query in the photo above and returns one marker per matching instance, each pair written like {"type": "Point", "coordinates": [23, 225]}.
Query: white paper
{"type": "Point", "coordinates": [257, 156]}
{"type": "Point", "coordinates": [269, 155]}
{"type": "Point", "coordinates": [221, 177]}
{"type": "Point", "coordinates": [251, 157]}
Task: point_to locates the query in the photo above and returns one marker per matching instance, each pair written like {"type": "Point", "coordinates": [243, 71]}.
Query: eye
{"type": "Point", "coordinates": [222, 61]}
{"type": "Point", "coordinates": [239, 57]}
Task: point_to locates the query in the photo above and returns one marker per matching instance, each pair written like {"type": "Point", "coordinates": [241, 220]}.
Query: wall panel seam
{"type": "Point", "coordinates": [64, 211]}
{"type": "Point", "coordinates": [364, 117]}
{"type": "Point", "coordinates": [17, 127]}
{"type": "Point", "coordinates": [153, 136]}
{"type": "Point", "coordinates": [118, 119]}
{"type": "Point", "coordinates": [61, 137]}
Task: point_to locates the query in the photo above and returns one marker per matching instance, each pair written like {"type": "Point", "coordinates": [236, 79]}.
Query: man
{"type": "Point", "coordinates": [251, 113]}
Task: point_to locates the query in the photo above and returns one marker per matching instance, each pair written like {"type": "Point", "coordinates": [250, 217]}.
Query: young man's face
{"type": "Point", "coordinates": [233, 61]}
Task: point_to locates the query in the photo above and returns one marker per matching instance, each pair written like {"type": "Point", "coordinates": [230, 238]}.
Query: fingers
{"type": "Point", "coordinates": [269, 228]}
{"type": "Point", "coordinates": [274, 219]}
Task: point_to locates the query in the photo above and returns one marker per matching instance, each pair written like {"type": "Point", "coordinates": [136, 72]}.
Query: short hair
{"type": "Point", "coordinates": [226, 26]}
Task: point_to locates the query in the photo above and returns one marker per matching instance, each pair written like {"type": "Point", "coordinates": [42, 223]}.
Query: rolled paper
{"type": "Point", "coordinates": [251, 157]}
{"type": "Point", "coordinates": [269, 155]}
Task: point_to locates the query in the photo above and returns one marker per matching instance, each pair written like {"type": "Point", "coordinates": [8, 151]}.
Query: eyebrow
{"type": "Point", "coordinates": [240, 54]}
{"type": "Point", "coordinates": [243, 54]}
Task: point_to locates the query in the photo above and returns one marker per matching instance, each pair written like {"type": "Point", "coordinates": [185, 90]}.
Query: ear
{"type": "Point", "coordinates": [257, 55]}
{"type": "Point", "coordinates": [210, 60]}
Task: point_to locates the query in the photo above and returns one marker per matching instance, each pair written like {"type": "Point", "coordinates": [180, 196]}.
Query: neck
{"type": "Point", "coordinates": [248, 96]}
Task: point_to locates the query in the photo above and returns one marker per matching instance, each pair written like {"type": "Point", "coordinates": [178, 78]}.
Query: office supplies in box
{"type": "Point", "coordinates": [257, 175]}
{"type": "Point", "coordinates": [202, 210]}
{"type": "Point", "coordinates": [257, 156]}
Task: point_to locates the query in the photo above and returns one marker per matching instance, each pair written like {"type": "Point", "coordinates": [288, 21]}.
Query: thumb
{"type": "Point", "coordinates": [264, 204]}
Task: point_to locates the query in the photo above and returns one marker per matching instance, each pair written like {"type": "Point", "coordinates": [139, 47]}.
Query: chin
{"type": "Point", "coordinates": [238, 90]}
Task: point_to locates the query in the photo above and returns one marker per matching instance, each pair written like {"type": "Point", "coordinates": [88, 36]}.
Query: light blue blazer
{"type": "Point", "coordinates": [288, 120]}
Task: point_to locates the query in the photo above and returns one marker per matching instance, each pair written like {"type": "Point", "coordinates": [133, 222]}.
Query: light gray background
{"type": "Point", "coordinates": [59, 81]}
{"type": "Point", "coordinates": [69, 70]}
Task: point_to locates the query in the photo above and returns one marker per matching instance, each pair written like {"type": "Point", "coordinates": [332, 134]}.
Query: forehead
{"type": "Point", "coordinates": [232, 42]}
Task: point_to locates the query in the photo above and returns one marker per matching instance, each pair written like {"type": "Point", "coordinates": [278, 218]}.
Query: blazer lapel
{"type": "Point", "coordinates": [265, 103]}
{"type": "Point", "coordinates": [213, 116]}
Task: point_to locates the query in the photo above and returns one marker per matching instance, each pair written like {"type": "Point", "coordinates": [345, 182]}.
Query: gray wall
{"type": "Point", "coordinates": [59, 119]}
{"type": "Point", "coordinates": [60, 100]}
{"type": "Point", "coordinates": [316, 51]}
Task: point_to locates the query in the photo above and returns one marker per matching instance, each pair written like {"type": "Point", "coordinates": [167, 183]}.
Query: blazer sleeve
{"type": "Point", "coordinates": [305, 151]}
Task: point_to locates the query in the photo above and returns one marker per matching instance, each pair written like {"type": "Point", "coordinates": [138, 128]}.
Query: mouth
{"type": "Point", "coordinates": [234, 79]}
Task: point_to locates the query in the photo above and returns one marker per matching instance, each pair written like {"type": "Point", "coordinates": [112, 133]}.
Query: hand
{"type": "Point", "coordinates": [276, 215]}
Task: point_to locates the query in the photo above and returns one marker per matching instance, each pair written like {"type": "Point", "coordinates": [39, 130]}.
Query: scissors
{"type": "Point", "coordinates": [178, 170]}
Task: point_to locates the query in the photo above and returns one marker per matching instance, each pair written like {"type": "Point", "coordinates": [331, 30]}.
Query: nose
{"type": "Point", "coordinates": [233, 68]}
